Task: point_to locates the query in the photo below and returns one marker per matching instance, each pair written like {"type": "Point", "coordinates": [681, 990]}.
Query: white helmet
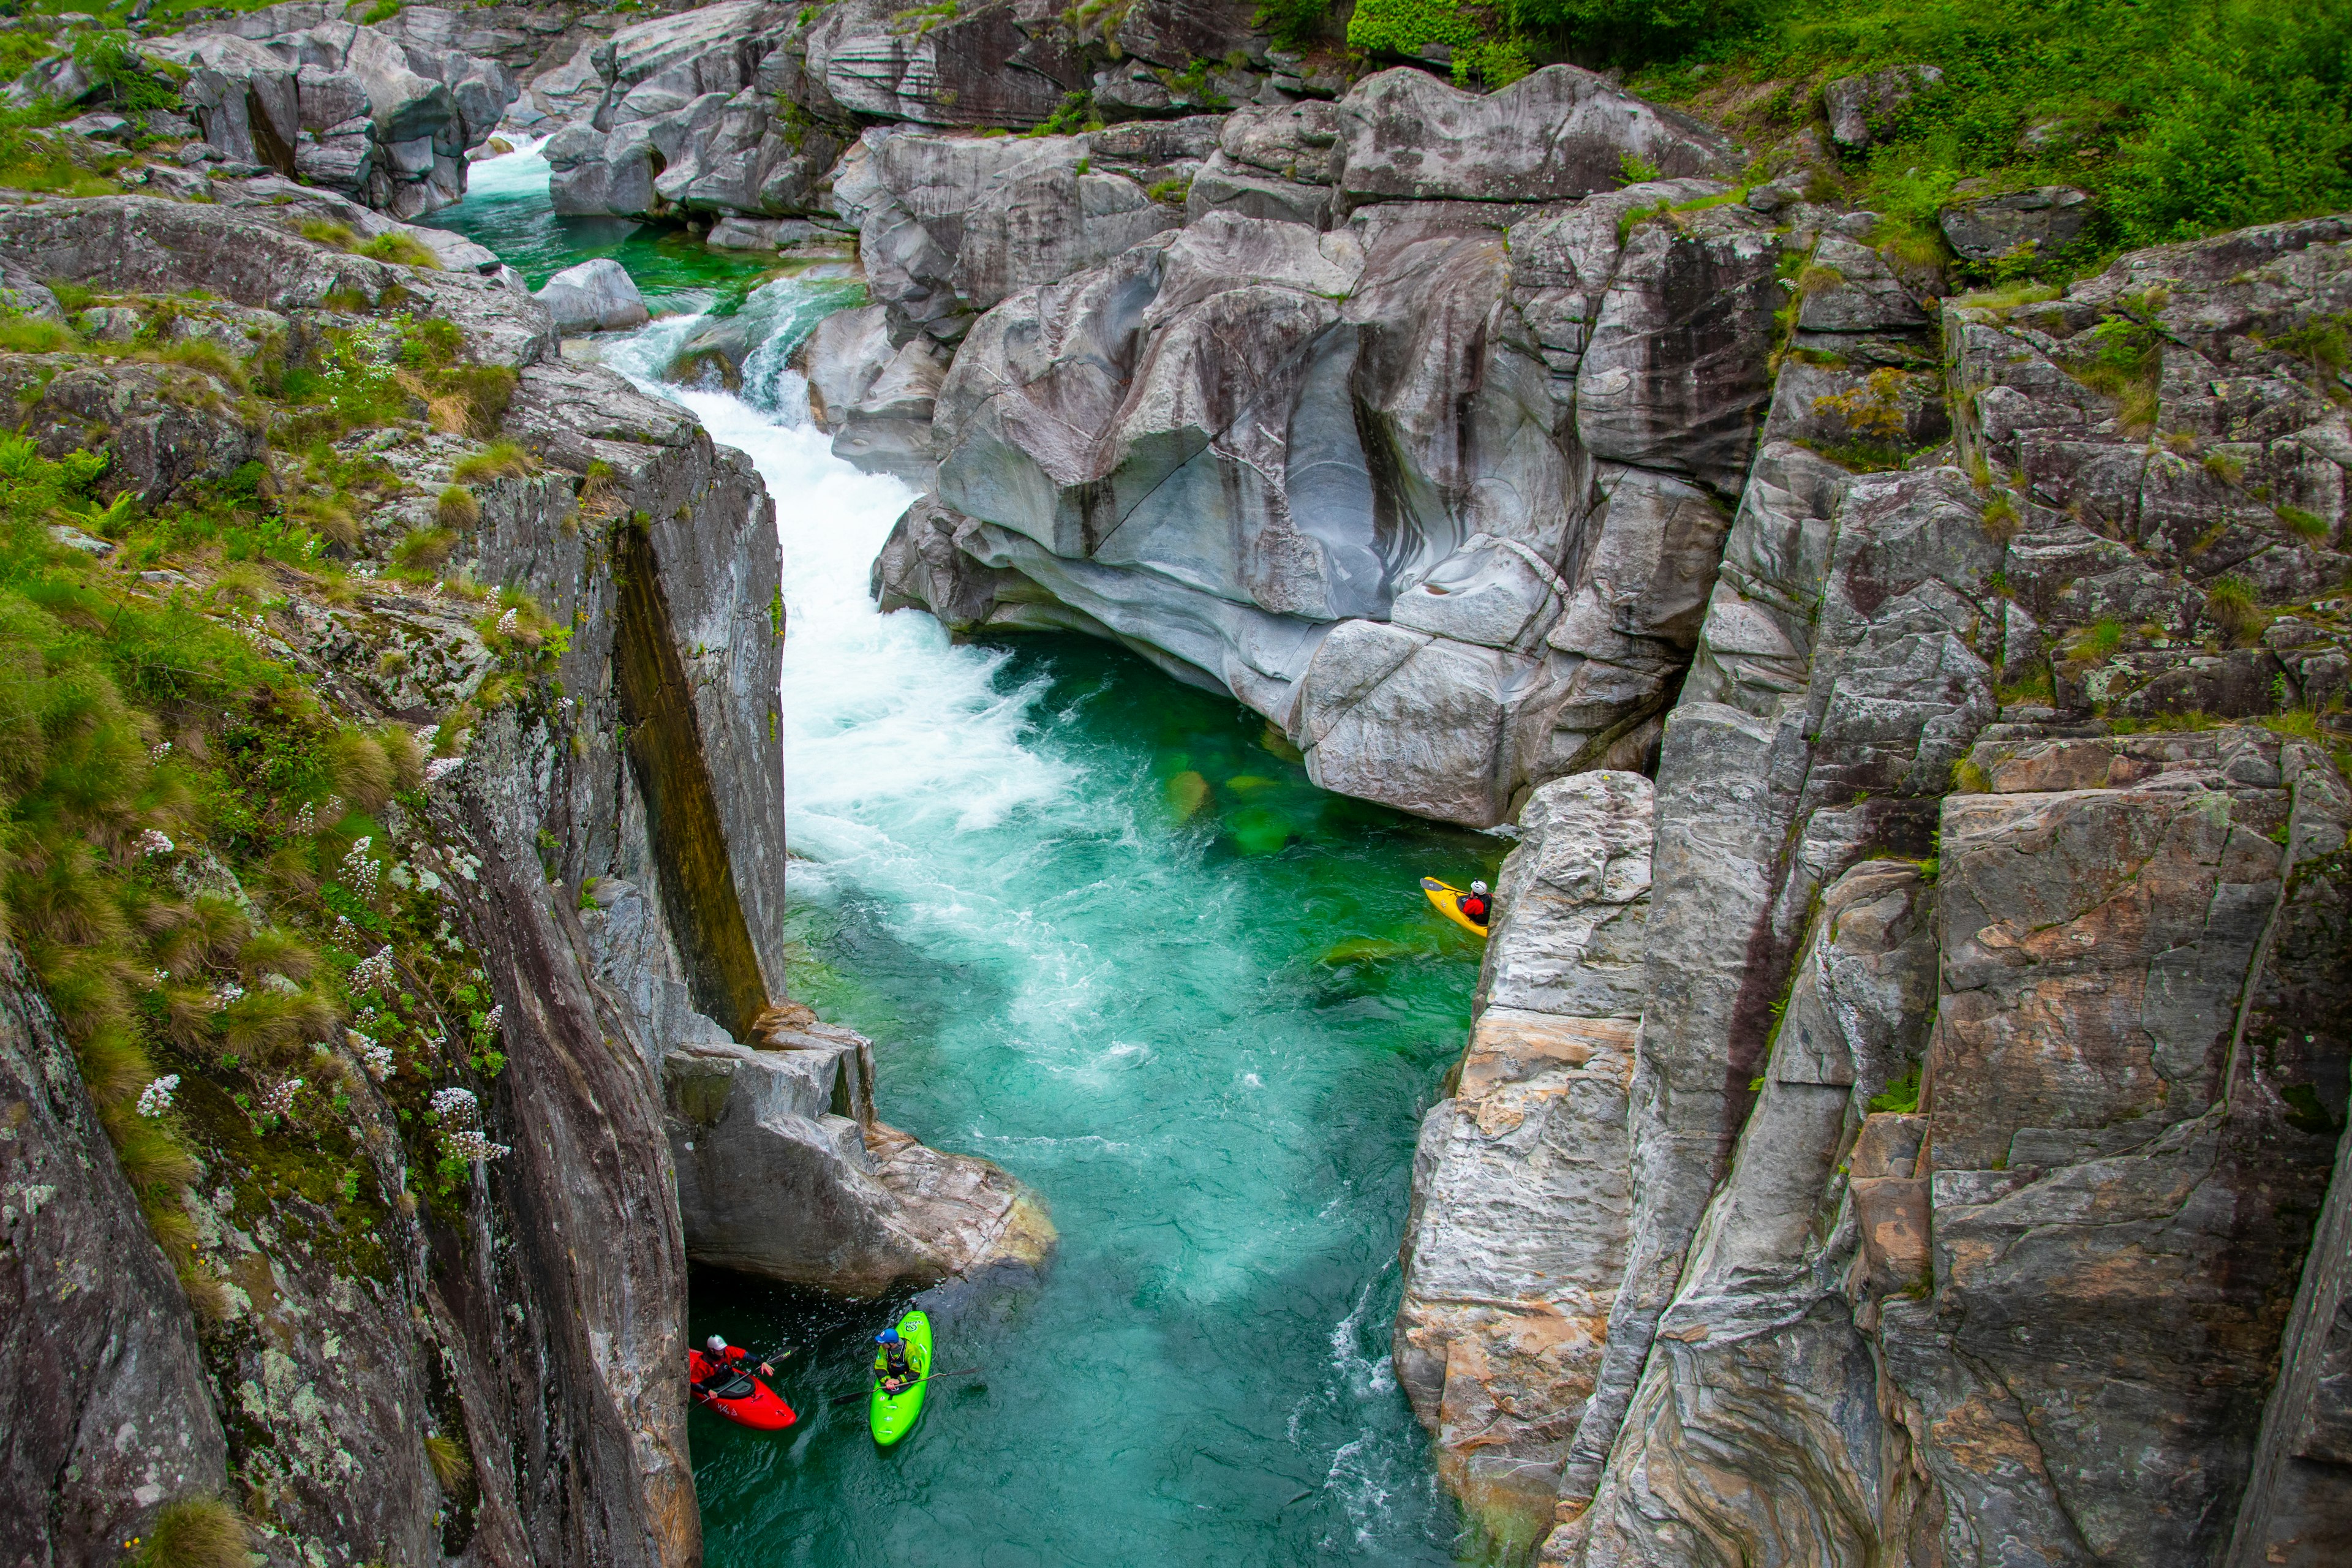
{"type": "Point", "coordinates": [716, 1343]}
{"type": "Point", "coordinates": [1477, 886]}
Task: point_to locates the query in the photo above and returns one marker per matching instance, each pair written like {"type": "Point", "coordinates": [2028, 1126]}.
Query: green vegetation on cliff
{"type": "Point", "coordinates": [2180, 117]}
{"type": "Point", "coordinates": [199, 857]}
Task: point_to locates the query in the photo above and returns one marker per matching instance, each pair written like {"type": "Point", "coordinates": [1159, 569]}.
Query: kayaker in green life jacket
{"type": "Point", "coordinates": [890, 1363]}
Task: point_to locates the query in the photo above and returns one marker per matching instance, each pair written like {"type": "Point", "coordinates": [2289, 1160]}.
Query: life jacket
{"type": "Point", "coordinates": [891, 1362]}
{"type": "Point", "coordinates": [1473, 908]}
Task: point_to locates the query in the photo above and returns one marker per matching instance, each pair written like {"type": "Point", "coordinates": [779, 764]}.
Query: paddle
{"type": "Point", "coordinates": [854, 1398]}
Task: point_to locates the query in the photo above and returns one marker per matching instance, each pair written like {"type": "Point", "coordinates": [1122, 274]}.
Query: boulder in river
{"type": "Point", "coordinates": [596, 296]}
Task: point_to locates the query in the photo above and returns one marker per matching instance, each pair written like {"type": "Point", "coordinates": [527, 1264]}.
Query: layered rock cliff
{"type": "Point", "coordinates": [457, 850]}
{"type": "Point", "coordinates": [1986, 1073]}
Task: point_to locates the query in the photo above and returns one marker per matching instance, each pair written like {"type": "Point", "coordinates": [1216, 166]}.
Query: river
{"type": "Point", "coordinates": [1202, 1027]}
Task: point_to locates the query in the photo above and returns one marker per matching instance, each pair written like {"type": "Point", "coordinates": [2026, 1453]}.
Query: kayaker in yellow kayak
{"type": "Point", "coordinates": [1473, 910]}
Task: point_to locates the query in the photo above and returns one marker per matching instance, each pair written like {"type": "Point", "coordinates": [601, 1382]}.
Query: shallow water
{"type": "Point", "coordinates": [1104, 932]}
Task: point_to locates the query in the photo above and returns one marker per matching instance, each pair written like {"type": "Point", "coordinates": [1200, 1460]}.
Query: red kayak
{"type": "Point", "coordinates": [738, 1395]}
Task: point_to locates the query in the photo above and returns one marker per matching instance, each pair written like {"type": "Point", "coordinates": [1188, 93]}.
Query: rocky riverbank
{"type": "Point", "coordinates": [1908, 1076]}
{"type": "Point", "coordinates": [458, 919]}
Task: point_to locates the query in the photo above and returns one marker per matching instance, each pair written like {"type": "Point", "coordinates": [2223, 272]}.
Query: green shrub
{"type": "Point", "coordinates": [2181, 117]}
{"type": "Point", "coordinates": [457, 509]}
{"type": "Point", "coordinates": [1901, 1097]}
{"type": "Point", "coordinates": [425, 550]}
{"type": "Point", "coordinates": [319, 231]}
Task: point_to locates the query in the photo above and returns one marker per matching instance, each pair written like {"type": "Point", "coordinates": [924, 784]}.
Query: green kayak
{"type": "Point", "coordinates": [893, 1414]}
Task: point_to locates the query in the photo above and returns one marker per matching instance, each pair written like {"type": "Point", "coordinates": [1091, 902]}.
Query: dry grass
{"type": "Point", "coordinates": [452, 1466]}
{"type": "Point", "coordinates": [196, 1532]}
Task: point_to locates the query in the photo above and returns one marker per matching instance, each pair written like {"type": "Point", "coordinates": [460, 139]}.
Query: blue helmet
{"type": "Point", "coordinates": [886, 1337]}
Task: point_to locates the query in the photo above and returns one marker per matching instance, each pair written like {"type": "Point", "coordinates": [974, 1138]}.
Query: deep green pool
{"type": "Point", "coordinates": [1104, 932]}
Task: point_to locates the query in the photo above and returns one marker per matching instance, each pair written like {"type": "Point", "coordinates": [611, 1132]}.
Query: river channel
{"type": "Point", "coordinates": [1103, 931]}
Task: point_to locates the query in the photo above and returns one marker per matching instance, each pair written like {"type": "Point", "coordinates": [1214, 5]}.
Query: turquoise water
{"type": "Point", "coordinates": [1104, 932]}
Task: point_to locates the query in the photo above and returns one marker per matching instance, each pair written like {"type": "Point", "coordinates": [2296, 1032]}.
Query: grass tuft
{"type": "Point", "coordinates": [196, 1532]}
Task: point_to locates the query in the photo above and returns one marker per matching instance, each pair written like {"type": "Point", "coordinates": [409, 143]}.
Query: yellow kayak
{"type": "Point", "coordinates": [1448, 900]}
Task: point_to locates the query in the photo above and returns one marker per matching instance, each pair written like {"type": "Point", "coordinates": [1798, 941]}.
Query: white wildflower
{"type": "Point", "coordinates": [374, 972]}
{"type": "Point", "coordinates": [306, 821]}
{"type": "Point", "coordinates": [427, 733]}
{"type": "Point", "coordinates": [507, 625]}
{"type": "Point", "coordinates": [333, 810]}
{"type": "Point", "coordinates": [152, 842]}
{"type": "Point", "coordinates": [498, 1015]}
{"type": "Point", "coordinates": [377, 1058]}
{"type": "Point", "coordinates": [440, 768]}
{"type": "Point", "coordinates": [457, 1106]}
{"type": "Point", "coordinates": [156, 1098]}
{"type": "Point", "coordinates": [345, 933]}
{"type": "Point", "coordinates": [162, 977]}
{"type": "Point", "coordinates": [469, 1145]}
{"type": "Point", "coordinates": [360, 869]}
{"type": "Point", "coordinates": [278, 1098]}
{"type": "Point", "coordinates": [232, 991]}
{"type": "Point", "coordinates": [159, 751]}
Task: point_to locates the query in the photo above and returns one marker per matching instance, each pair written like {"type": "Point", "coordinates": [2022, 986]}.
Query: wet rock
{"type": "Point", "coordinates": [594, 296]}
{"type": "Point", "coordinates": [875, 400]}
{"type": "Point", "coordinates": [783, 1171]}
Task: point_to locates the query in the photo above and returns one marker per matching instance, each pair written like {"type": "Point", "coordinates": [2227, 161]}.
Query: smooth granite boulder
{"type": "Point", "coordinates": [596, 296]}
{"type": "Point", "coordinates": [1559, 134]}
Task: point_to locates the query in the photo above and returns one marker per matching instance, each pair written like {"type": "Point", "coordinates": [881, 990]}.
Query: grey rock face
{"type": "Point", "coordinates": [596, 296]}
{"type": "Point", "coordinates": [1860, 107]}
{"type": "Point", "coordinates": [875, 400]}
{"type": "Point", "coordinates": [2047, 218]}
{"type": "Point", "coordinates": [385, 117]}
{"type": "Point", "coordinates": [1559, 134]}
{"type": "Point", "coordinates": [1245, 448]}
{"type": "Point", "coordinates": [783, 1170]}
{"type": "Point", "coordinates": [165, 428]}
{"type": "Point", "coordinates": [1907, 1161]}
{"type": "Point", "coordinates": [109, 1410]}
{"type": "Point", "coordinates": [1521, 1179]}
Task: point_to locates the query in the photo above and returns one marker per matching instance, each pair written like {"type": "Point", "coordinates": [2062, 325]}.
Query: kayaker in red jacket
{"type": "Point", "coordinates": [1473, 904]}
{"type": "Point", "coordinates": [725, 1358]}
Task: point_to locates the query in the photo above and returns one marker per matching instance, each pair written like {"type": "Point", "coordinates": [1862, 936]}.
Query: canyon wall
{"type": "Point", "coordinates": [431, 1233]}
